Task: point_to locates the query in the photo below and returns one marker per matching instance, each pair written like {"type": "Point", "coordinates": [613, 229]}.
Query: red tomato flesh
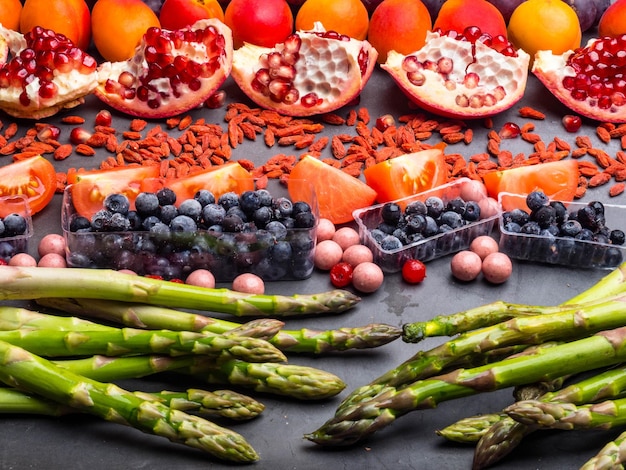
{"type": "Point", "coordinates": [34, 178]}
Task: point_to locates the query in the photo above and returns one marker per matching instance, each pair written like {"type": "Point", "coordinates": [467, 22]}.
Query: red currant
{"type": "Point", "coordinates": [413, 271]}
{"type": "Point", "coordinates": [341, 274]}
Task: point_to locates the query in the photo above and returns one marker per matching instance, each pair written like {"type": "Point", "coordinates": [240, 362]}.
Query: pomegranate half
{"type": "Point", "coordinates": [171, 71]}
{"type": "Point", "coordinates": [591, 80]}
{"type": "Point", "coordinates": [312, 72]}
{"type": "Point", "coordinates": [43, 73]}
{"type": "Point", "coordinates": [468, 75]}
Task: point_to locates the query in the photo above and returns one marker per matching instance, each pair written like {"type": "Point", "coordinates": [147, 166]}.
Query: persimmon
{"type": "Point", "coordinates": [10, 12]}
{"type": "Point", "coordinates": [456, 15]}
{"type": "Point", "coordinates": [68, 17]}
{"type": "Point", "coordinates": [349, 17]}
{"type": "Point", "coordinates": [613, 20]}
{"type": "Point", "coordinates": [260, 23]}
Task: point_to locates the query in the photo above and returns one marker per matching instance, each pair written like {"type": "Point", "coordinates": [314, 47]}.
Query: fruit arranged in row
{"type": "Point", "coordinates": [254, 232]}
{"type": "Point", "coordinates": [551, 232]}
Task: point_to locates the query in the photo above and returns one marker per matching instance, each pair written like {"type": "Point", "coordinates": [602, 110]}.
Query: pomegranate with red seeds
{"type": "Point", "coordinates": [171, 71]}
{"type": "Point", "coordinates": [591, 81]}
{"type": "Point", "coordinates": [312, 72]}
{"type": "Point", "coordinates": [43, 73]}
{"type": "Point", "coordinates": [468, 75]}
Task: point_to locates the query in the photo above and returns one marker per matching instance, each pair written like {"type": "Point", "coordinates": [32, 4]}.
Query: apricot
{"type": "Point", "coordinates": [176, 14]}
{"type": "Point", "coordinates": [456, 15]}
{"type": "Point", "coordinates": [613, 20]}
{"type": "Point", "coordinates": [408, 19]}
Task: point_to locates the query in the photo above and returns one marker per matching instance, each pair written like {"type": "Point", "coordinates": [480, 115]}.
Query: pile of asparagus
{"type": "Point", "coordinates": [57, 364]}
{"type": "Point", "coordinates": [579, 345]}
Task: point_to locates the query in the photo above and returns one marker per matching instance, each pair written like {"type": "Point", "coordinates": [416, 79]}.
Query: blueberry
{"type": "Point", "coordinates": [390, 243]}
{"type": "Point", "coordinates": [15, 225]}
{"type": "Point", "coordinates": [617, 237]}
{"type": "Point", "coordinates": [472, 211]}
{"type": "Point", "coordinates": [147, 204]}
{"type": "Point", "coordinates": [431, 227]}
{"type": "Point", "coordinates": [277, 229]}
{"type": "Point", "coordinates": [536, 199]}
{"type": "Point", "coordinates": [416, 207]}
{"type": "Point", "coordinates": [204, 197]}
{"type": "Point", "coordinates": [587, 217]}
{"type": "Point", "coordinates": [1, 228]}
{"type": "Point", "coordinates": [79, 223]}
{"type": "Point", "coordinates": [304, 220]}
{"type": "Point", "coordinates": [530, 228]}
{"type": "Point", "coordinates": [135, 220]}
{"type": "Point", "coordinates": [191, 208]}
{"type": "Point", "coordinates": [262, 216]}
{"type": "Point", "coordinates": [283, 207]}
{"type": "Point", "coordinates": [100, 220]}
{"type": "Point", "coordinates": [584, 234]}
{"type": "Point", "coordinates": [391, 213]}
{"type": "Point", "coordinates": [228, 200]}
{"type": "Point", "coordinates": [377, 235]}
{"type": "Point", "coordinates": [613, 257]}
{"type": "Point", "coordinates": [281, 251]}
{"type": "Point", "coordinates": [518, 216]}
{"type": "Point", "coordinates": [118, 203]}
{"type": "Point", "coordinates": [183, 223]}
{"type": "Point", "coordinates": [401, 235]}
{"type": "Point", "coordinates": [571, 228]}
{"type": "Point", "coordinates": [213, 214]}
{"type": "Point", "coordinates": [415, 223]}
{"type": "Point", "coordinates": [544, 216]}
{"type": "Point", "coordinates": [166, 196]}
{"type": "Point", "coordinates": [300, 206]}
{"type": "Point", "coordinates": [597, 207]}
{"type": "Point", "coordinates": [434, 206]}
{"type": "Point", "coordinates": [386, 228]}
{"type": "Point", "coordinates": [118, 223]}
{"type": "Point", "coordinates": [302, 244]}
{"type": "Point", "coordinates": [145, 244]}
{"type": "Point", "coordinates": [161, 230]}
{"type": "Point", "coordinates": [249, 201]}
{"type": "Point", "coordinates": [552, 230]}
{"type": "Point", "coordinates": [451, 219]}
{"type": "Point", "coordinates": [232, 223]}
{"type": "Point", "coordinates": [560, 211]}
{"type": "Point", "coordinates": [265, 197]}
{"type": "Point", "coordinates": [149, 222]}
{"type": "Point", "coordinates": [168, 212]}
{"type": "Point", "coordinates": [456, 205]}
{"type": "Point", "coordinates": [601, 238]}
{"type": "Point", "coordinates": [236, 210]}
{"type": "Point", "coordinates": [512, 227]}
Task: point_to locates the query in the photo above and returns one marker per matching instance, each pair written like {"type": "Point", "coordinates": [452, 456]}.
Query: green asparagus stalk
{"type": "Point", "coordinates": [611, 457]}
{"type": "Point", "coordinates": [614, 283]}
{"type": "Point", "coordinates": [219, 403]}
{"type": "Point", "coordinates": [566, 322]}
{"type": "Point", "coordinates": [295, 381]}
{"type": "Point", "coordinates": [569, 416]}
{"type": "Point", "coordinates": [20, 368]}
{"type": "Point", "coordinates": [305, 340]}
{"type": "Point", "coordinates": [353, 423]}
{"type": "Point", "coordinates": [124, 341]}
{"type": "Point", "coordinates": [14, 318]}
{"type": "Point", "coordinates": [26, 283]}
{"type": "Point", "coordinates": [470, 429]}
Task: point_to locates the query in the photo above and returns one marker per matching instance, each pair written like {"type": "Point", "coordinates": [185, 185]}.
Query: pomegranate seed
{"type": "Point", "coordinates": [216, 100]}
{"type": "Point", "coordinates": [509, 130]}
{"type": "Point", "coordinates": [385, 122]}
{"type": "Point", "coordinates": [104, 118]}
{"type": "Point", "coordinates": [79, 135]}
{"type": "Point", "coordinates": [278, 89]}
{"type": "Point", "coordinates": [292, 96]}
{"type": "Point", "coordinates": [48, 132]}
{"type": "Point", "coordinates": [471, 80]}
{"type": "Point", "coordinates": [571, 122]}
{"type": "Point", "coordinates": [309, 100]}
{"type": "Point", "coordinates": [445, 65]}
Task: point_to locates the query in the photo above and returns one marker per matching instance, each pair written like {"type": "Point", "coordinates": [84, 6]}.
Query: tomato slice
{"type": "Point", "coordinates": [34, 177]}
{"type": "Point", "coordinates": [90, 188]}
{"type": "Point", "coordinates": [558, 180]}
{"type": "Point", "coordinates": [338, 193]}
{"type": "Point", "coordinates": [407, 175]}
{"type": "Point", "coordinates": [230, 177]}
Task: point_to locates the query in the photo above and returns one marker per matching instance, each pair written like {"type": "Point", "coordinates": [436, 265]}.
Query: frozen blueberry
{"type": "Point", "coordinates": [304, 220]}
{"type": "Point", "coordinates": [149, 222]}
{"type": "Point", "coordinates": [401, 235]}
{"type": "Point", "coordinates": [617, 237]}
{"type": "Point", "coordinates": [79, 223]}
{"type": "Point", "coordinates": [116, 202]}
{"type": "Point", "coordinates": [100, 220]}
{"type": "Point", "coordinates": [518, 216]}
{"type": "Point", "coordinates": [512, 227]}
{"type": "Point", "coordinates": [168, 212]}
{"type": "Point", "coordinates": [391, 213]}
{"type": "Point", "coordinates": [530, 228]}
{"type": "Point", "coordinates": [472, 211]}
{"type": "Point", "coordinates": [456, 205]}
{"type": "Point", "coordinates": [585, 234]}
{"type": "Point", "coordinates": [232, 223]}
{"type": "Point", "coordinates": [544, 216]}
{"type": "Point", "coordinates": [191, 208]}
{"type": "Point", "coordinates": [213, 214]}
{"type": "Point", "coordinates": [204, 197]}
{"type": "Point", "coordinates": [265, 197]}
{"type": "Point", "coordinates": [15, 225]}
{"type": "Point", "coordinates": [262, 216]}
{"type": "Point", "coordinates": [300, 206]}
{"type": "Point", "coordinates": [415, 223]}
{"type": "Point", "coordinates": [434, 206]}
{"type": "Point", "coordinates": [183, 223]}
{"type": "Point", "coordinates": [283, 207]}
{"type": "Point", "coordinates": [416, 207]}
{"type": "Point", "coordinates": [452, 219]}
{"type": "Point", "coordinates": [249, 201]}
{"type": "Point", "coordinates": [147, 204]}
{"type": "Point", "coordinates": [570, 228]}
{"type": "Point", "coordinates": [390, 243]}
{"type": "Point", "coordinates": [560, 211]}
{"type": "Point", "coordinates": [377, 235]}
{"type": "Point", "coordinates": [536, 199]}
{"type": "Point", "coordinates": [134, 220]}
{"type": "Point", "coordinates": [228, 200]}
{"type": "Point", "coordinates": [118, 223]}
{"type": "Point", "coordinates": [166, 196]}
{"type": "Point", "coordinates": [431, 228]}
{"type": "Point", "coordinates": [277, 229]}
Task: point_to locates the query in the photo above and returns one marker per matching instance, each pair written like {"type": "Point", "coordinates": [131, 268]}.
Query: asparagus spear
{"type": "Point", "coordinates": [14, 318]}
{"type": "Point", "coordinates": [20, 368]}
{"type": "Point", "coordinates": [294, 341]}
{"type": "Point", "coordinates": [566, 322]}
{"type": "Point", "coordinates": [353, 423]}
{"type": "Point", "coordinates": [27, 283]}
{"type": "Point", "coordinates": [219, 403]}
{"type": "Point", "coordinates": [611, 457]}
{"type": "Point", "coordinates": [301, 382]}
{"type": "Point", "coordinates": [123, 341]}
{"type": "Point", "coordinates": [568, 416]}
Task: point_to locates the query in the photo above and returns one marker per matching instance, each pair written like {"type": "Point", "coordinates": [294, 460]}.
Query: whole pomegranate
{"type": "Point", "coordinates": [312, 72]}
{"type": "Point", "coordinates": [590, 80]}
{"type": "Point", "coordinates": [469, 75]}
{"type": "Point", "coordinates": [44, 73]}
{"type": "Point", "coordinates": [171, 72]}
{"type": "Point", "coordinates": [262, 23]}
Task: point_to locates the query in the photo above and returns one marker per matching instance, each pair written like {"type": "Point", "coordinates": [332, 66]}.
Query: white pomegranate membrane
{"type": "Point", "coordinates": [466, 75]}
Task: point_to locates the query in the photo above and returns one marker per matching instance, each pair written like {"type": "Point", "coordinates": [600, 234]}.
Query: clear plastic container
{"type": "Point", "coordinates": [566, 251]}
{"type": "Point", "coordinates": [10, 246]}
{"type": "Point", "coordinates": [427, 249]}
{"type": "Point", "coordinates": [174, 256]}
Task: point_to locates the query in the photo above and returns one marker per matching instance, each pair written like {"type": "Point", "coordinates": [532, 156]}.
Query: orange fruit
{"type": "Point", "coordinates": [119, 25]}
{"type": "Point", "coordinates": [347, 17]}
{"type": "Point", "coordinates": [408, 19]}
{"type": "Point", "coordinates": [10, 11]}
{"type": "Point", "coordinates": [338, 194]}
{"type": "Point", "coordinates": [67, 17]}
{"type": "Point", "coordinates": [456, 15]}
{"type": "Point", "coordinates": [544, 25]}
{"type": "Point", "coordinates": [176, 14]}
{"type": "Point", "coordinates": [613, 20]}
{"type": "Point", "coordinates": [260, 23]}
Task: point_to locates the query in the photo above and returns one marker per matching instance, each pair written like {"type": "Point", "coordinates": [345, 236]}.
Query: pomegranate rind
{"type": "Point", "coordinates": [72, 87]}
{"type": "Point", "coordinates": [550, 69]}
{"type": "Point", "coordinates": [439, 95]}
{"type": "Point", "coordinates": [328, 67]}
{"type": "Point", "coordinates": [170, 103]}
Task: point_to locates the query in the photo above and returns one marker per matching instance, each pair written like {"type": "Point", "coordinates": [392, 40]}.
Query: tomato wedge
{"type": "Point", "coordinates": [407, 175]}
{"type": "Point", "coordinates": [90, 188]}
{"type": "Point", "coordinates": [338, 193]}
{"type": "Point", "coordinates": [230, 177]}
{"type": "Point", "coordinates": [34, 177]}
{"type": "Point", "coordinates": [558, 180]}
